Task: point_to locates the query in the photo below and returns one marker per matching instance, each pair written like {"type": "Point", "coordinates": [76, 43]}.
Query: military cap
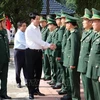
{"type": "Point", "coordinates": [58, 15]}
{"type": "Point", "coordinates": [87, 14]}
{"type": "Point", "coordinates": [43, 18]}
{"type": "Point", "coordinates": [71, 19]}
{"type": "Point", "coordinates": [51, 21]}
{"type": "Point", "coordinates": [2, 16]}
{"type": "Point", "coordinates": [63, 14]}
{"type": "Point", "coordinates": [96, 14]}
{"type": "Point", "coordinates": [50, 17]}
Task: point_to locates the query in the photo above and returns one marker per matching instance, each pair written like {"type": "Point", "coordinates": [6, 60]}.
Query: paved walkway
{"type": "Point", "coordinates": [22, 93]}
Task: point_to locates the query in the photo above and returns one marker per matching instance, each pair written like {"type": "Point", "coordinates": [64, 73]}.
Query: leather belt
{"type": "Point", "coordinates": [36, 50]}
{"type": "Point", "coordinates": [20, 49]}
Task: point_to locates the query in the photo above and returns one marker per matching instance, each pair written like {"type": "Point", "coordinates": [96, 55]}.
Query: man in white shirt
{"type": "Point", "coordinates": [19, 51]}
{"type": "Point", "coordinates": [34, 45]}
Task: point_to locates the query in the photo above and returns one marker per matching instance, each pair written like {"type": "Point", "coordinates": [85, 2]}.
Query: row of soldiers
{"type": "Point", "coordinates": [74, 55]}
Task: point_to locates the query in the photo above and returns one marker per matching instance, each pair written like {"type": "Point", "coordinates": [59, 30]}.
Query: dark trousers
{"type": "Point", "coordinates": [46, 67]}
{"type": "Point", "coordinates": [3, 78]}
{"type": "Point", "coordinates": [75, 83]}
{"type": "Point", "coordinates": [19, 58]}
{"type": "Point", "coordinates": [88, 88]}
{"type": "Point", "coordinates": [34, 69]}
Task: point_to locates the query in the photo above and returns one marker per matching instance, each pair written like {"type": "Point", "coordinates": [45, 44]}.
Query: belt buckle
{"type": "Point", "coordinates": [39, 50]}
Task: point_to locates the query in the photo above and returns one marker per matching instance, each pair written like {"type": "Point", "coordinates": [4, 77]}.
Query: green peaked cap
{"type": "Point", "coordinates": [71, 19]}
{"type": "Point", "coordinates": [50, 17]}
{"type": "Point", "coordinates": [43, 19]}
{"type": "Point", "coordinates": [63, 14]}
{"type": "Point", "coordinates": [51, 21]}
{"type": "Point", "coordinates": [87, 14]}
{"type": "Point", "coordinates": [96, 14]}
{"type": "Point", "coordinates": [58, 15]}
{"type": "Point", "coordinates": [2, 16]}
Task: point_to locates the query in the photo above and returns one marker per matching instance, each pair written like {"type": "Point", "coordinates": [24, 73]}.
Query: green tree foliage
{"type": "Point", "coordinates": [82, 4]}
{"type": "Point", "coordinates": [71, 4]}
{"type": "Point", "coordinates": [19, 9]}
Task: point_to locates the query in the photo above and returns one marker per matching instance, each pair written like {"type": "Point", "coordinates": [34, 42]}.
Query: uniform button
{"type": "Point", "coordinates": [89, 55]}
{"type": "Point", "coordinates": [69, 56]}
{"type": "Point", "coordinates": [91, 48]}
{"type": "Point", "coordinates": [96, 66]}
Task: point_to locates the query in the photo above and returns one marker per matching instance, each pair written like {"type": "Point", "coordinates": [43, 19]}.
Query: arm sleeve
{"type": "Point", "coordinates": [74, 51]}
{"type": "Point", "coordinates": [20, 39]}
{"type": "Point", "coordinates": [35, 39]}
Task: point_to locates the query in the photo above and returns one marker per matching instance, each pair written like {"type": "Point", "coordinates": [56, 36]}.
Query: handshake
{"type": "Point", "coordinates": [52, 46]}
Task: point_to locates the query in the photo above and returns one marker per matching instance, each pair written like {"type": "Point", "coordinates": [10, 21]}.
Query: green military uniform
{"type": "Point", "coordinates": [93, 70]}
{"type": "Point", "coordinates": [51, 53]}
{"type": "Point", "coordinates": [71, 53]}
{"type": "Point", "coordinates": [86, 43]}
{"type": "Point", "coordinates": [58, 40]}
{"type": "Point", "coordinates": [46, 64]}
{"type": "Point", "coordinates": [4, 54]}
{"type": "Point", "coordinates": [65, 80]}
{"type": "Point", "coordinates": [58, 54]}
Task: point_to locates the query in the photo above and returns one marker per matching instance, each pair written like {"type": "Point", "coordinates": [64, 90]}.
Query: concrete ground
{"type": "Point", "coordinates": [22, 93]}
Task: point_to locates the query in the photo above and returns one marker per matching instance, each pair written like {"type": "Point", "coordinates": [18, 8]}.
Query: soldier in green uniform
{"type": "Point", "coordinates": [86, 43]}
{"type": "Point", "coordinates": [71, 61]}
{"type": "Point", "coordinates": [65, 34]}
{"type": "Point", "coordinates": [4, 54]}
{"type": "Point", "coordinates": [46, 64]}
{"type": "Point", "coordinates": [58, 52]}
{"type": "Point", "coordinates": [93, 69]}
{"type": "Point", "coordinates": [50, 53]}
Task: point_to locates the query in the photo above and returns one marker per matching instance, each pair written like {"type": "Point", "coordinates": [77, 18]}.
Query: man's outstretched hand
{"type": "Point", "coordinates": [52, 46]}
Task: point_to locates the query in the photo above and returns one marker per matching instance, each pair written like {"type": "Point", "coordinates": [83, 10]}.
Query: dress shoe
{"type": "Point", "coordinates": [61, 92]}
{"type": "Point", "coordinates": [19, 85]}
{"type": "Point", "coordinates": [37, 92]}
{"type": "Point", "coordinates": [66, 97]}
{"type": "Point", "coordinates": [5, 97]}
{"type": "Point", "coordinates": [56, 86]}
{"type": "Point", "coordinates": [31, 96]}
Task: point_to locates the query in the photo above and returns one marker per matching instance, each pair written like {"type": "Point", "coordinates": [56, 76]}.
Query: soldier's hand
{"type": "Point", "coordinates": [58, 58]}
{"type": "Point", "coordinates": [42, 56]}
{"type": "Point", "coordinates": [72, 67]}
{"type": "Point", "coordinates": [52, 46]}
{"type": "Point", "coordinates": [99, 79]}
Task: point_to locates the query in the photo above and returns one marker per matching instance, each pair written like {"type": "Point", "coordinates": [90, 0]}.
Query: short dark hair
{"type": "Point", "coordinates": [19, 24]}
{"type": "Point", "coordinates": [33, 15]}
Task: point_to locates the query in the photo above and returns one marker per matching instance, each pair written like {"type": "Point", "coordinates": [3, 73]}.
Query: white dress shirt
{"type": "Point", "coordinates": [19, 40]}
{"type": "Point", "coordinates": [33, 38]}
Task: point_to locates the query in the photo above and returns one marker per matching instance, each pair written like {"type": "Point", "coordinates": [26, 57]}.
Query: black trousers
{"type": "Point", "coordinates": [19, 58]}
{"type": "Point", "coordinates": [34, 69]}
